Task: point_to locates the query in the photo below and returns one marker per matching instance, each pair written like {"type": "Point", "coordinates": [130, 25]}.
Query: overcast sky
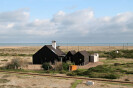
{"type": "Point", "coordinates": [91, 21]}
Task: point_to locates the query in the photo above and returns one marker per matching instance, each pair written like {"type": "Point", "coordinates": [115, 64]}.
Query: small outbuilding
{"type": "Point", "coordinates": [81, 58]}
{"type": "Point", "coordinates": [69, 56]}
{"type": "Point", "coordinates": [48, 53]}
{"type": "Point", "coordinates": [94, 57]}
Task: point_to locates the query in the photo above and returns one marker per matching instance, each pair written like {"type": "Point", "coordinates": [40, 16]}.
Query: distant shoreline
{"type": "Point", "coordinates": [67, 48]}
{"type": "Point", "coordinates": [63, 44]}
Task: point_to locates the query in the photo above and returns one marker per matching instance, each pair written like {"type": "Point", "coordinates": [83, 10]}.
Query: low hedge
{"type": "Point", "coordinates": [101, 71]}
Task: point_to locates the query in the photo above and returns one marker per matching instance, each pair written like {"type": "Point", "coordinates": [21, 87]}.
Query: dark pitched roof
{"type": "Point", "coordinates": [84, 53]}
{"type": "Point", "coordinates": [57, 51]}
{"type": "Point", "coordinates": [72, 52]}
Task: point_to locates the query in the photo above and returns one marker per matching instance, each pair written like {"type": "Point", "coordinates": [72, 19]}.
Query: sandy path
{"type": "Point", "coordinates": [25, 81]}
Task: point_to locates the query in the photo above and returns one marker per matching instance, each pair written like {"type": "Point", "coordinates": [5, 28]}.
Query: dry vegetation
{"type": "Point", "coordinates": [32, 49]}
{"type": "Point", "coordinates": [24, 81]}
{"type": "Point", "coordinates": [27, 81]}
{"type": "Point", "coordinates": [4, 60]}
{"type": "Point", "coordinates": [94, 48]}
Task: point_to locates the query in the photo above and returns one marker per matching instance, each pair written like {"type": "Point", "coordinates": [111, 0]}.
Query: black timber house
{"type": "Point", "coordinates": [48, 53]}
{"type": "Point", "coordinates": [81, 58]}
{"type": "Point", "coordinates": [69, 56]}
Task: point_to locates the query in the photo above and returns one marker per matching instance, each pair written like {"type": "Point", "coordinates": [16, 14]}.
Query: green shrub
{"type": "Point", "coordinates": [101, 68]}
{"type": "Point", "coordinates": [117, 64]}
{"type": "Point", "coordinates": [71, 74]}
{"type": "Point", "coordinates": [129, 72]}
{"type": "Point", "coordinates": [47, 71]}
{"type": "Point", "coordinates": [112, 76]}
{"type": "Point", "coordinates": [96, 75]}
{"type": "Point", "coordinates": [127, 80]}
{"type": "Point", "coordinates": [62, 72]}
{"type": "Point", "coordinates": [122, 53]}
{"type": "Point", "coordinates": [101, 71]}
{"type": "Point", "coordinates": [46, 66]}
{"type": "Point", "coordinates": [112, 54]}
{"type": "Point", "coordinates": [65, 66]}
{"type": "Point", "coordinates": [79, 72]}
{"type": "Point", "coordinates": [104, 75]}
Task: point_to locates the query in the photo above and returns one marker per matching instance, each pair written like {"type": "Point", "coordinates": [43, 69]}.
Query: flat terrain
{"type": "Point", "coordinates": [33, 49]}
{"type": "Point", "coordinates": [94, 48]}
{"type": "Point", "coordinates": [26, 81]}
{"type": "Point", "coordinates": [121, 61]}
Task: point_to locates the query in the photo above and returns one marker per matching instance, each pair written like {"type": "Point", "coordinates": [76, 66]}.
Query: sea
{"type": "Point", "coordinates": [67, 44]}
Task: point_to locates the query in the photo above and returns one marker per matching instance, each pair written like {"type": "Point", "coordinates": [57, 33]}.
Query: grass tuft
{"type": "Point", "coordinates": [74, 85]}
{"type": "Point", "coordinates": [4, 80]}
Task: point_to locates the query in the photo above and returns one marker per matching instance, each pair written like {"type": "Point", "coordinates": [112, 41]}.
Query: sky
{"type": "Point", "coordinates": [90, 21]}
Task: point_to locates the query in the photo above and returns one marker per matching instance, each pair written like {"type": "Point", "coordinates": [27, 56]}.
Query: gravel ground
{"type": "Point", "coordinates": [26, 81]}
{"type": "Point", "coordinates": [103, 85]}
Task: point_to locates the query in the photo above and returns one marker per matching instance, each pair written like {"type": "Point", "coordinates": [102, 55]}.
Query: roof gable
{"type": "Point", "coordinates": [57, 51]}
{"type": "Point", "coordinates": [72, 52]}
{"type": "Point", "coordinates": [84, 53]}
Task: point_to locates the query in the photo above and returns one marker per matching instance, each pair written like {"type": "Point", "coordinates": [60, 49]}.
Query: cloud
{"type": "Point", "coordinates": [80, 26]}
{"type": "Point", "coordinates": [76, 21]}
{"type": "Point", "coordinates": [14, 16]}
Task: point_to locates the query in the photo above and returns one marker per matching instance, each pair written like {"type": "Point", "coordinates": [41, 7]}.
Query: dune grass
{"type": "Point", "coordinates": [74, 85]}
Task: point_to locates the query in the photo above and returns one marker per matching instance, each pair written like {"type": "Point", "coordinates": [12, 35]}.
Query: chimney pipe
{"type": "Point", "coordinates": [54, 44]}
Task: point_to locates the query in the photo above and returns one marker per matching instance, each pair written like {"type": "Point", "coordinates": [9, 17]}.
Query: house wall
{"type": "Point", "coordinates": [78, 59]}
{"type": "Point", "coordinates": [86, 60]}
{"type": "Point", "coordinates": [44, 55]}
{"type": "Point", "coordinates": [69, 57]}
